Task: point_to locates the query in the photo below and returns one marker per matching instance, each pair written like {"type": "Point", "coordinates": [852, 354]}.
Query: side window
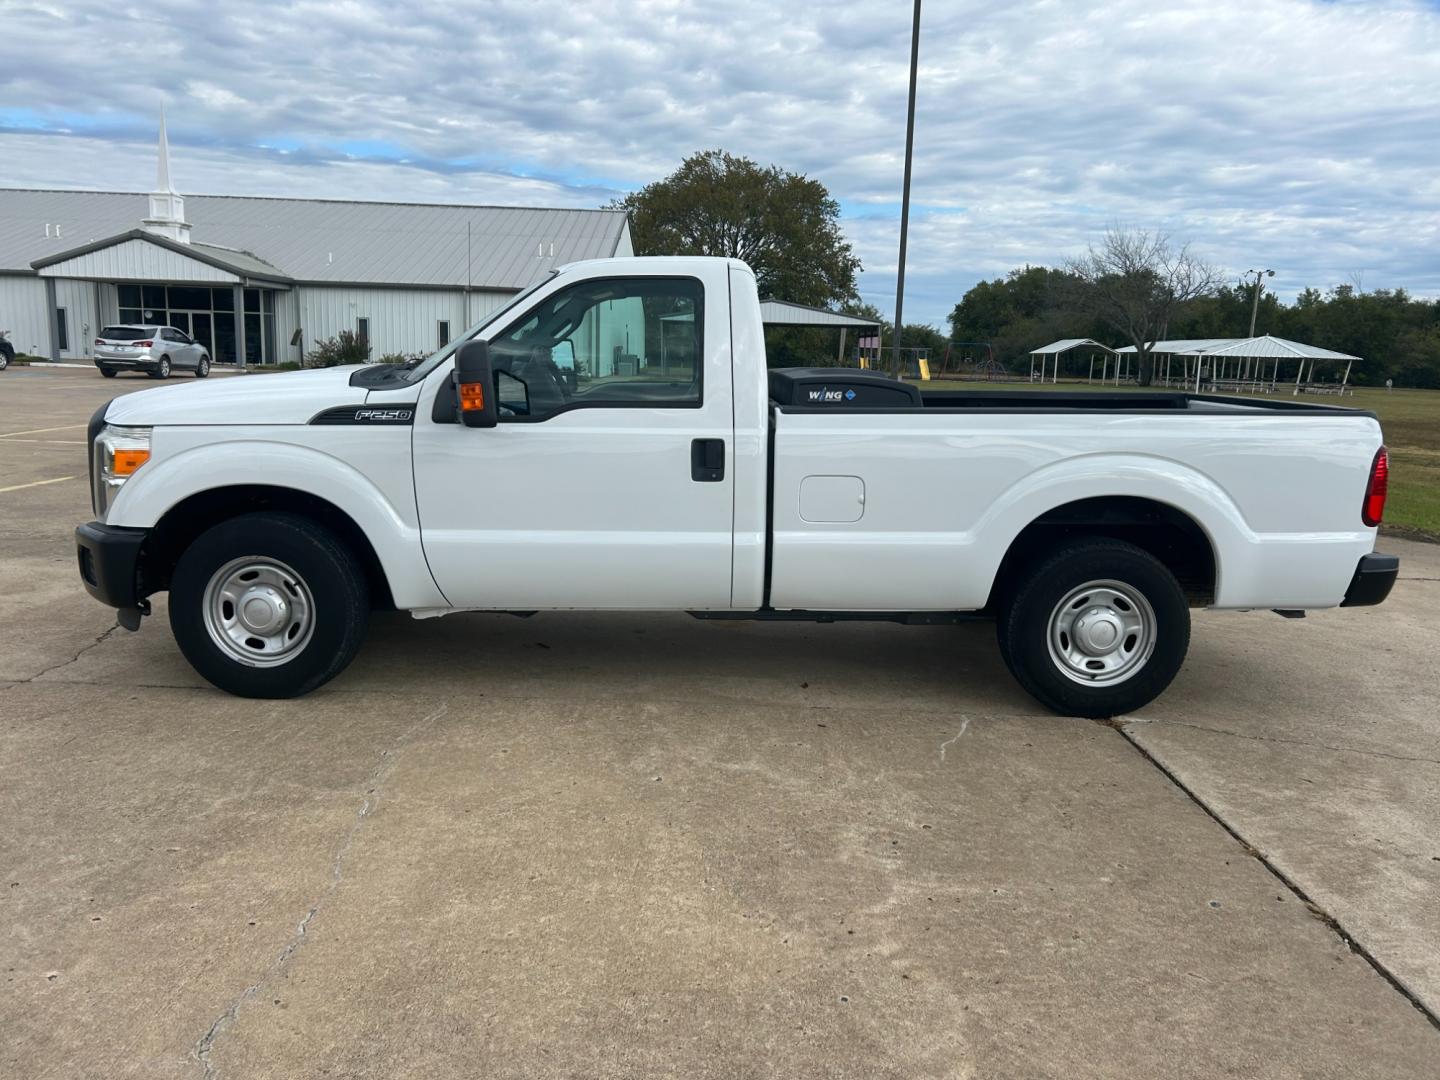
{"type": "Point", "coordinates": [610, 343]}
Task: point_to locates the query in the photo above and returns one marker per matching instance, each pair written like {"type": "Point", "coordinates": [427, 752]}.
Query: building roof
{"type": "Point", "coordinates": [1176, 346]}
{"type": "Point", "coordinates": [327, 241]}
{"type": "Point", "coordinates": [1066, 344]}
{"type": "Point", "coordinates": [1265, 347]}
{"type": "Point", "coordinates": [1273, 347]}
{"type": "Point", "coordinates": [784, 313]}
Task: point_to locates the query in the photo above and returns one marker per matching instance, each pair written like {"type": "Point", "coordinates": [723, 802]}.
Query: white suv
{"type": "Point", "coordinates": [155, 350]}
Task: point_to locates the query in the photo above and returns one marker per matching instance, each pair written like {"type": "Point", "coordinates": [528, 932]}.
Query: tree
{"type": "Point", "coordinates": [1026, 308]}
{"type": "Point", "coordinates": [1396, 335]}
{"type": "Point", "coordinates": [784, 225]}
{"type": "Point", "coordinates": [1136, 283]}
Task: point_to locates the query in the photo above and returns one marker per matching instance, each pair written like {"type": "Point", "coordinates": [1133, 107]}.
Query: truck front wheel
{"type": "Point", "coordinates": [268, 605]}
{"type": "Point", "coordinates": [1098, 629]}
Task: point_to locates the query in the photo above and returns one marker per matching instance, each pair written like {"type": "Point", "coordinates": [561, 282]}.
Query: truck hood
{"type": "Point", "coordinates": [290, 397]}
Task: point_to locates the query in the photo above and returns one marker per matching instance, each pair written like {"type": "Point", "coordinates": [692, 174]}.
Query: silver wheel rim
{"type": "Point", "coordinates": [259, 611]}
{"type": "Point", "coordinates": [1101, 633]}
{"type": "Point", "coordinates": [164, 368]}
{"type": "Point", "coordinates": [204, 365]}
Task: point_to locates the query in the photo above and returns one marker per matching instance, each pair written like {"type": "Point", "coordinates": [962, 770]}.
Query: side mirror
{"type": "Point", "coordinates": [475, 404]}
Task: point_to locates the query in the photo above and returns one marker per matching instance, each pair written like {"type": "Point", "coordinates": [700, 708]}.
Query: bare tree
{"type": "Point", "coordinates": [1135, 282]}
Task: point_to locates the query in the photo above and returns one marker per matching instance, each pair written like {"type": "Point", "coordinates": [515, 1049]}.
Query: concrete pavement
{"type": "Point", "coordinates": [642, 845]}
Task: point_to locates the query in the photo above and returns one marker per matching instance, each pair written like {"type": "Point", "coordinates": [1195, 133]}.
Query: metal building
{"type": "Point", "coordinates": [262, 278]}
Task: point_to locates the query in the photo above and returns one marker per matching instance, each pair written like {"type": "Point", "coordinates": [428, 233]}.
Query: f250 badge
{"type": "Point", "coordinates": [365, 414]}
{"type": "Point", "coordinates": [384, 416]}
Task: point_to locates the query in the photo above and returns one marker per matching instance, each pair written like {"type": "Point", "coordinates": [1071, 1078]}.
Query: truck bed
{"type": "Point", "coordinates": [913, 507]}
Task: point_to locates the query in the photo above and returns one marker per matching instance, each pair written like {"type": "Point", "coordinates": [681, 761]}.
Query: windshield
{"type": "Point", "coordinates": [396, 373]}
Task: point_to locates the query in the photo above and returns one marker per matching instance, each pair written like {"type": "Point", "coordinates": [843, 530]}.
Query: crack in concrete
{"type": "Point", "coordinates": [66, 663]}
{"type": "Point", "coordinates": [1332, 923]}
{"type": "Point", "coordinates": [388, 759]}
{"type": "Point", "coordinates": [1288, 742]}
{"type": "Point", "coordinates": [964, 723]}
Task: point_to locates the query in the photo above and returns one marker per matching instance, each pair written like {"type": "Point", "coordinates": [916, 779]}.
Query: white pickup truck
{"type": "Point", "coordinates": [613, 440]}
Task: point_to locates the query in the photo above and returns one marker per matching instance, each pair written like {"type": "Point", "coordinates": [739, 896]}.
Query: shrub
{"type": "Point", "coordinates": [398, 358]}
{"type": "Point", "coordinates": [345, 348]}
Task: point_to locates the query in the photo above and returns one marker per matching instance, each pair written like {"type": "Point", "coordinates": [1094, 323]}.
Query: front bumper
{"type": "Point", "coordinates": [109, 558]}
{"type": "Point", "coordinates": [1374, 578]}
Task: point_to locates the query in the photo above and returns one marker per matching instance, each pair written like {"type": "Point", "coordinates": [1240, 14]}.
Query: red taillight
{"type": "Point", "coordinates": [99, 341]}
{"type": "Point", "coordinates": [143, 344]}
{"type": "Point", "coordinates": [1373, 509]}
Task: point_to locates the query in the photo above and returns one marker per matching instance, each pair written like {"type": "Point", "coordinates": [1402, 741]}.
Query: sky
{"type": "Point", "coordinates": [1293, 135]}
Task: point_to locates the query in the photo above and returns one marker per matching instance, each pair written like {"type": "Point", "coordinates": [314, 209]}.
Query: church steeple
{"type": "Point", "coordinates": [162, 167]}
{"type": "Point", "coordinates": [167, 207]}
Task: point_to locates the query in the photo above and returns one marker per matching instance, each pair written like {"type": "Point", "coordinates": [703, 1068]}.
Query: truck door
{"type": "Point", "coordinates": [608, 481]}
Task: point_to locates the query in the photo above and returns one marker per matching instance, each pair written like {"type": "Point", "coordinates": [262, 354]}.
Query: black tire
{"type": "Point", "coordinates": [330, 572]}
{"type": "Point", "coordinates": [108, 372]}
{"type": "Point", "coordinates": [1025, 623]}
{"type": "Point", "coordinates": [203, 367]}
{"type": "Point", "coordinates": [162, 370]}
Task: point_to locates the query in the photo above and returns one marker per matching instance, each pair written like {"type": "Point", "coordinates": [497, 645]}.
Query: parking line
{"type": "Point", "coordinates": [36, 483]}
{"type": "Point", "coordinates": [41, 430]}
{"type": "Point", "coordinates": [53, 442]}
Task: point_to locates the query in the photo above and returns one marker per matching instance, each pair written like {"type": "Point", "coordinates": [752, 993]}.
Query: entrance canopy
{"type": "Point", "coordinates": [223, 298]}
{"type": "Point", "coordinates": [139, 255]}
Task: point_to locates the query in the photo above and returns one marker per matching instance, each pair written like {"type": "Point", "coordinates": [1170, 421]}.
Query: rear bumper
{"type": "Point", "coordinates": [1374, 577]}
{"type": "Point", "coordinates": [138, 363]}
{"type": "Point", "coordinates": [109, 559]}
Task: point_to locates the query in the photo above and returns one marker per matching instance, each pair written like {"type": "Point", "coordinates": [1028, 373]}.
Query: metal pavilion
{"type": "Point", "coordinates": [1250, 365]}
{"type": "Point", "coordinates": [1056, 349]}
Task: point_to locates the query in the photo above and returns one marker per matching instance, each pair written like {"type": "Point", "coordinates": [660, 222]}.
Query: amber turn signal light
{"type": "Point", "coordinates": [126, 462]}
{"type": "Point", "coordinates": [472, 397]}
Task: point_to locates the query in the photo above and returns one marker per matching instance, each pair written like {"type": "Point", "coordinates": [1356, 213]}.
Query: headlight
{"type": "Point", "coordinates": [119, 451]}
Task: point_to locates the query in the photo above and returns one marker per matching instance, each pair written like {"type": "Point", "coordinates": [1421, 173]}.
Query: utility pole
{"type": "Point", "coordinates": [1255, 304]}
{"type": "Point", "coordinates": [905, 195]}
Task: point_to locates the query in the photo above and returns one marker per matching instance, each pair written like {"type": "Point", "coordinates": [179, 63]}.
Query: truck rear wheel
{"type": "Point", "coordinates": [268, 605]}
{"type": "Point", "coordinates": [1098, 629]}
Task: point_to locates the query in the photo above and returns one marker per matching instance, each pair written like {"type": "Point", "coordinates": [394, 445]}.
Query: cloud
{"type": "Point", "coordinates": [1295, 133]}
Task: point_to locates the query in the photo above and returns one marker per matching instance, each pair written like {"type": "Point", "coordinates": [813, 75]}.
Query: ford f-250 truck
{"type": "Point", "coordinates": [612, 440]}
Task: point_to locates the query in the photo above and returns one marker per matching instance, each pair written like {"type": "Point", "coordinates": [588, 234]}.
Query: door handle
{"type": "Point", "coordinates": [707, 460]}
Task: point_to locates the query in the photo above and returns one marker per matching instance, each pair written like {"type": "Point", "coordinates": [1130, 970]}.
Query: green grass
{"type": "Point", "coordinates": [1411, 422]}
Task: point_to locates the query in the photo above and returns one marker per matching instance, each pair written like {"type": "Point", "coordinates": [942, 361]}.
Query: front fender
{"type": "Point", "coordinates": [178, 471]}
